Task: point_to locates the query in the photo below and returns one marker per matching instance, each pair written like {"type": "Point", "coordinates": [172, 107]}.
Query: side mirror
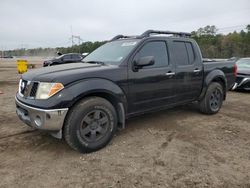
{"type": "Point", "coordinates": [59, 53]}
{"type": "Point", "coordinates": [144, 61]}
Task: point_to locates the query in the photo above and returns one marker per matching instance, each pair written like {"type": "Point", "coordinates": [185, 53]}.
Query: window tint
{"type": "Point", "coordinates": [76, 56]}
{"type": "Point", "coordinates": [157, 49]}
{"type": "Point", "coordinates": [190, 52]}
{"type": "Point", "coordinates": [180, 53]}
{"type": "Point", "coordinates": [67, 57]}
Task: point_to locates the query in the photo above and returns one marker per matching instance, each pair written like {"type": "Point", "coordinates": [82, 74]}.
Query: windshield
{"type": "Point", "coordinates": [112, 52]}
{"type": "Point", "coordinates": [243, 64]}
{"type": "Point", "coordinates": [58, 57]}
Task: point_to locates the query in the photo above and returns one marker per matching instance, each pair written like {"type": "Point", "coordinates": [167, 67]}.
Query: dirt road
{"type": "Point", "coordinates": [174, 148]}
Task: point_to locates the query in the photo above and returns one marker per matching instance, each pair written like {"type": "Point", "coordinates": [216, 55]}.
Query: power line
{"type": "Point", "coordinates": [236, 26]}
{"type": "Point", "coordinates": [232, 28]}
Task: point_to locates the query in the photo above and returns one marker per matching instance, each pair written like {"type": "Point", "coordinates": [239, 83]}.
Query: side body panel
{"type": "Point", "coordinates": [189, 77]}
{"type": "Point", "coordinates": [220, 71]}
{"type": "Point", "coordinates": [150, 88]}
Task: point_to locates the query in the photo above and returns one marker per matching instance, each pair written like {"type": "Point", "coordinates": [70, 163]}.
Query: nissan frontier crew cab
{"type": "Point", "coordinates": [86, 102]}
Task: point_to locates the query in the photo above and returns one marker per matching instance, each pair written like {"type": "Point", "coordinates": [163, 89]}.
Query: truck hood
{"type": "Point", "coordinates": [65, 73]}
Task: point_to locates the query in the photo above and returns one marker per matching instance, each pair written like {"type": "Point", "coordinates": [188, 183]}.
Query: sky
{"type": "Point", "coordinates": [50, 23]}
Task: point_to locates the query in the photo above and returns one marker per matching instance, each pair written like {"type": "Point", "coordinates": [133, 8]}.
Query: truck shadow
{"type": "Point", "coordinates": [241, 91]}
{"type": "Point", "coordinates": [164, 119]}
{"type": "Point", "coordinates": [37, 141]}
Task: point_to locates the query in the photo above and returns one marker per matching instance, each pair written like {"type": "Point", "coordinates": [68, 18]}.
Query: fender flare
{"type": "Point", "coordinates": [215, 75]}
{"type": "Point", "coordinates": [99, 87]}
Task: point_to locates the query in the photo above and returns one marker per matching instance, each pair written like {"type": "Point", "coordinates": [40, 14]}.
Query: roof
{"type": "Point", "coordinates": [149, 33]}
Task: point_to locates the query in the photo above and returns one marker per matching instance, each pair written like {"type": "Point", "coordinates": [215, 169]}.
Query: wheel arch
{"type": "Point", "coordinates": [214, 76]}
{"type": "Point", "coordinates": [104, 89]}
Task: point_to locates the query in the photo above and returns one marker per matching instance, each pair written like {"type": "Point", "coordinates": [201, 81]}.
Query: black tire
{"type": "Point", "coordinates": [213, 99]}
{"type": "Point", "coordinates": [90, 124]}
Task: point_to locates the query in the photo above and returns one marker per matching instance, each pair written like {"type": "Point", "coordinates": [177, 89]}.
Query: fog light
{"type": "Point", "coordinates": [38, 121]}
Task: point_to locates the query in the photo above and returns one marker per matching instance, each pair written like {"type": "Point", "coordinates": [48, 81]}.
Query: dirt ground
{"type": "Point", "coordinates": [173, 148]}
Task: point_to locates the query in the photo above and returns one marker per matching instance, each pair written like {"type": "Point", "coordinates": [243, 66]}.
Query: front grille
{"type": "Point", "coordinates": [239, 79]}
{"type": "Point", "coordinates": [28, 89]}
{"type": "Point", "coordinates": [247, 85]}
{"type": "Point", "coordinates": [33, 89]}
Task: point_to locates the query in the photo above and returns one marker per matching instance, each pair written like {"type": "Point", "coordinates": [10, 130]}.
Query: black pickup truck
{"type": "Point", "coordinates": [86, 102]}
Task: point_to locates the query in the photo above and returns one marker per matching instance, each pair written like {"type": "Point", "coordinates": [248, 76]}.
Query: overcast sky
{"type": "Point", "coordinates": [47, 23]}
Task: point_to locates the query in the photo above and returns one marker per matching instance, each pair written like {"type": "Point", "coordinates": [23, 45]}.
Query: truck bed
{"type": "Point", "coordinates": [225, 66]}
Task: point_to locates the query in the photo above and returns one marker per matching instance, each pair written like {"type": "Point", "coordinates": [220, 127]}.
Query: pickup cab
{"type": "Point", "coordinates": [86, 102]}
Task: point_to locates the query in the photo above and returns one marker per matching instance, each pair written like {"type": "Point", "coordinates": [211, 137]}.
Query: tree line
{"type": "Point", "coordinates": [212, 44]}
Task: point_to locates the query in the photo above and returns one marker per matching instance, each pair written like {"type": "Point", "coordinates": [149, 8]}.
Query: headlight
{"type": "Point", "coordinates": [46, 90]}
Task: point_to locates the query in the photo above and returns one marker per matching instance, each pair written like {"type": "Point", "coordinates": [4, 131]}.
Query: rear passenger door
{"type": "Point", "coordinates": [76, 58]}
{"type": "Point", "coordinates": [67, 58]}
{"type": "Point", "coordinates": [151, 86]}
{"type": "Point", "coordinates": [189, 73]}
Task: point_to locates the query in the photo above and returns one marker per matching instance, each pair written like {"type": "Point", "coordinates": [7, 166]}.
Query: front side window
{"type": "Point", "coordinates": [158, 50]}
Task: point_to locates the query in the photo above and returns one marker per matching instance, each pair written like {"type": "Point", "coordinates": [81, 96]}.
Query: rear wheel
{"type": "Point", "coordinates": [213, 99]}
{"type": "Point", "coordinates": [90, 125]}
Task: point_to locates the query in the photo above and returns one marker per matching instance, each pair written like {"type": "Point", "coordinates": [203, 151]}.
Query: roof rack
{"type": "Point", "coordinates": [121, 37]}
{"type": "Point", "coordinates": [149, 32]}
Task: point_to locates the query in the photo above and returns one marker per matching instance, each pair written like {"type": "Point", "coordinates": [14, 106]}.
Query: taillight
{"type": "Point", "coordinates": [235, 70]}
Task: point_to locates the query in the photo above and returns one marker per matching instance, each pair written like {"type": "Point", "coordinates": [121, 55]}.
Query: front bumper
{"type": "Point", "coordinates": [243, 84]}
{"type": "Point", "coordinates": [51, 120]}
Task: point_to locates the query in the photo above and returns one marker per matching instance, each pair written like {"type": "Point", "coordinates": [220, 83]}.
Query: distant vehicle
{"type": "Point", "coordinates": [207, 60]}
{"type": "Point", "coordinates": [234, 59]}
{"type": "Point", "coordinates": [243, 74]}
{"type": "Point", "coordinates": [63, 59]}
{"type": "Point", "coordinates": [7, 56]}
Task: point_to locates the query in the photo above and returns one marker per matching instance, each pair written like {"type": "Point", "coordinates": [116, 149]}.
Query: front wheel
{"type": "Point", "coordinates": [213, 99]}
{"type": "Point", "coordinates": [90, 125]}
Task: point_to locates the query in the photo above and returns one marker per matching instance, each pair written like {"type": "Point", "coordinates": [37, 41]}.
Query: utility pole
{"type": "Point", "coordinates": [2, 51]}
{"type": "Point", "coordinates": [77, 37]}
{"type": "Point", "coordinates": [72, 36]}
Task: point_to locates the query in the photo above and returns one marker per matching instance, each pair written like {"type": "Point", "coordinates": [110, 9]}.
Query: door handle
{"type": "Point", "coordinates": [197, 70]}
{"type": "Point", "coordinates": [170, 73]}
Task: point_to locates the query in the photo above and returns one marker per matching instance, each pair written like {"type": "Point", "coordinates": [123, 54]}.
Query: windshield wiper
{"type": "Point", "coordinates": [94, 62]}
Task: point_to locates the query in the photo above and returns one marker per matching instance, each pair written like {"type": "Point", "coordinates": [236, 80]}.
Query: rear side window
{"type": "Point", "coordinates": [158, 49]}
{"type": "Point", "coordinates": [76, 56]}
{"type": "Point", "coordinates": [180, 53]}
{"type": "Point", "coordinates": [67, 57]}
{"type": "Point", "coordinates": [190, 52]}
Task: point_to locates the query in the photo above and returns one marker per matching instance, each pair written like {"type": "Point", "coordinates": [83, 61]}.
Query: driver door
{"type": "Point", "coordinates": [152, 86]}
